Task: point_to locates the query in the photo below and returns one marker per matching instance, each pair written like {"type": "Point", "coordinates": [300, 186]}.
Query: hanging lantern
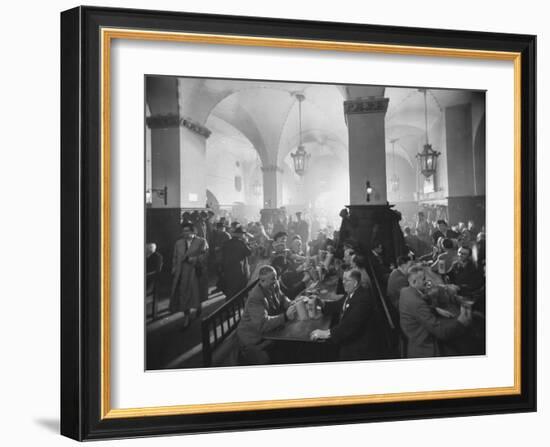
{"type": "Point", "coordinates": [301, 157]}
{"type": "Point", "coordinates": [428, 157]}
{"type": "Point", "coordinates": [428, 160]}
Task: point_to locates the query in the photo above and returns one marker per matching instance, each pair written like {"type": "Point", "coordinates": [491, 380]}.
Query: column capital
{"type": "Point", "coordinates": [272, 168]}
{"type": "Point", "coordinates": [370, 104]}
{"type": "Point", "coordinates": [173, 120]}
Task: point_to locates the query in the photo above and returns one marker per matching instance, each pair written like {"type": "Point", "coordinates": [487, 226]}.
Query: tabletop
{"type": "Point", "coordinates": [298, 330]}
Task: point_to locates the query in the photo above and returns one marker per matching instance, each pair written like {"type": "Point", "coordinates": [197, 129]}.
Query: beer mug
{"type": "Point", "coordinates": [301, 309]}
{"type": "Point", "coordinates": [311, 308]}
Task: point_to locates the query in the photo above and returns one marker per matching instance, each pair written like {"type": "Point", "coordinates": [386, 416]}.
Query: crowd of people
{"type": "Point", "coordinates": [215, 249]}
{"type": "Point", "coordinates": [440, 268]}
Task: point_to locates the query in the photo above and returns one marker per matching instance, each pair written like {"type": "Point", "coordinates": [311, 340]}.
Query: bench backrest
{"type": "Point", "coordinates": [222, 322]}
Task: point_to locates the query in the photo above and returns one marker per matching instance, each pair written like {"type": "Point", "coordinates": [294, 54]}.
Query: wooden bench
{"type": "Point", "coordinates": [219, 337]}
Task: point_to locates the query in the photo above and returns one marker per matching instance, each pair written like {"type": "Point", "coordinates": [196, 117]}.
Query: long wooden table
{"type": "Point", "coordinates": [297, 330]}
{"type": "Point", "coordinates": [292, 341]}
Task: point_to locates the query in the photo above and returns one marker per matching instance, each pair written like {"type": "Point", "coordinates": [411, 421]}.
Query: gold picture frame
{"type": "Point", "coordinates": [103, 26]}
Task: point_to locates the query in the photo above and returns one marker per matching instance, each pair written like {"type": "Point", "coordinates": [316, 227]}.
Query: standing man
{"type": "Point", "coordinates": [266, 309]}
{"type": "Point", "coordinates": [302, 229]}
{"type": "Point", "coordinates": [423, 233]}
{"type": "Point", "coordinates": [420, 323]}
{"type": "Point", "coordinates": [190, 252]}
{"type": "Point", "coordinates": [219, 237]}
{"type": "Point", "coordinates": [357, 332]}
{"type": "Point", "coordinates": [235, 253]}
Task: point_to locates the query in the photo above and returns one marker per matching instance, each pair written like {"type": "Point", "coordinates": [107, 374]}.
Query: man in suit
{"type": "Point", "coordinates": [443, 231]}
{"type": "Point", "coordinates": [219, 237]}
{"type": "Point", "coordinates": [357, 331]}
{"type": "Point", "coordinates": [398, 280]}
{"type": "Point", "coordinates": [190, 253]}
{"type": "Point", "coordinates": [235, 253]}
{"type": "Point", "coordinates": [266, 309]}
{"type": "Point", "coordinates": [464, 273]}
{"type": "Point", "coordinates": [420, 322]}
{"type": "Point", "coordinates": [154, 264]}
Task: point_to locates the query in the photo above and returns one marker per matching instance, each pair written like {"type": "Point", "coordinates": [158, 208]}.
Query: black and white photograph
{"type": "Point", "coordinates": [293, 222]}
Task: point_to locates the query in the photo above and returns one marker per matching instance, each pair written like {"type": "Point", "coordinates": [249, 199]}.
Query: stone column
{"type": "Point", "coordinates": [273, 191]}
{"type": "Point", "coordinates": [367, 148]}
{"type": "Point", "coordinates": [192, 166]}
{"type": "Point", "coordinates": [464, 201]}
{"type": "Point", "coordinates": [178, 167]}
{"type": "Point", "coordinates": [373, 221]}
{"type": "Point", "coordinates": [273, 186]}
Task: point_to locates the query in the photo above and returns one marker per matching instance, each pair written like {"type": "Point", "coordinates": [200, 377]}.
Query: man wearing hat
{"type": "Point", "coordinates": [219, 237]}
{"type": "Point", "coordinates": [235, 253]}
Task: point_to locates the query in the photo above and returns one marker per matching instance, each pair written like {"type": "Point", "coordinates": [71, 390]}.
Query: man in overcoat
{"type": "Point", "coordinates": [190, 252]}
{"type": "Point", "coordinates": [236, 270]}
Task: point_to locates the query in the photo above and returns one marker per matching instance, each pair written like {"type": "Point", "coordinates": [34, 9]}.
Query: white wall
{"type": "Point", "coordinates": [30, 221]}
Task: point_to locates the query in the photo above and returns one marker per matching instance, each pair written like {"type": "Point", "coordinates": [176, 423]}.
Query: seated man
{"type": "Point", "coordinates": [318, 244]}
{"type": "Point", "coordinates": [280, 256]}
{"type": "Point", "coordinates": [357, 332]}
{"type": "Point", "coordinates": [445, 260]}
{"type": "Point", "coordinates": [464, 274]}
{"type": "Point", "coordinates": [296, 255]}
{"type": "Point", "coordinates": [292, 281]}
{"type": "Point", "coordinates": [379, 264]}
{"type": "Point", "coordinates": [443, 231]}
{"type": "Point", "coordinates": [266, 309]}
{"type": "Point", "coordinates": [398, 280]}
{"type": "Point", "coordinates": [419, 321]}
{"type": "Point", "coordinates": [154, 265]}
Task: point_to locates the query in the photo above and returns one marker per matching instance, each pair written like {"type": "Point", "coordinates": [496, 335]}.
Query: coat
{"type": "Point", "coordinates": [357, 331]}
{"type": "Point", "coordinates": [264, 311]}
{"type": "Point", "coordinates": [187, 265]}
{"type": "Point", "coordinates": [235, 269]}
{"type": "Point", "coordinates": [396, 282]}
{"type": "Point", "coordinates": [422, 326]}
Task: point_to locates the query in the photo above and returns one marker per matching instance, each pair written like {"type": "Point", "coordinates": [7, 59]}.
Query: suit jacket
{"type": "Point", "coordinates": [264, 310]}
{"type": "Point", "coordinates": [357, 332]}
{"type": "Point", "coordinates": [467, 277]}
{"type": "Point", "coordinates": [396, 282]}
{"type": "Point", "coordinates": [422, 326]}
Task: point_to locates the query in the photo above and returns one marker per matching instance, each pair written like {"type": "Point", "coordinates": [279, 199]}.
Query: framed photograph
{"type": "Point", "coordinates": [272, 223]}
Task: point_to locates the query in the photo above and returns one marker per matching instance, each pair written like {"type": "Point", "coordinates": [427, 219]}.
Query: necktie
{"type": "Point", "coordinates": [345, 305]}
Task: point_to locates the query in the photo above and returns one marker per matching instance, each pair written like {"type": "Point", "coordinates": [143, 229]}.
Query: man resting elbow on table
{"type": "Point", "coordinates": [357, 332]}
{"type": "Point", "coordinates": [266, 309]}
{"type": "Point", "coordinates": [423, 324]}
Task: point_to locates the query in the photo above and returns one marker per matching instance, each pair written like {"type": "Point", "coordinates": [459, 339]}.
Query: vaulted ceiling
{"type": "Point", "coordinates": [265, 115]}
